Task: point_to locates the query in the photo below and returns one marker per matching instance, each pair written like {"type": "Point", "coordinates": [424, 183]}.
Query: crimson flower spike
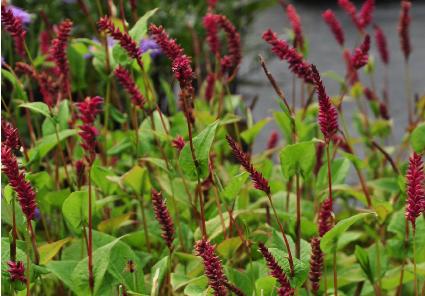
{"type": "Point", "coordinates": [415, 179]}
{"type": "Point", "coordinates": [13, 25]}
{"type": "Point", "coordinates": [89, 109]}
{"type": "Point", "coordinates": [178, 143]}
{"type": "Point", "coordinates": [16, 271]}
{"type": "Point", "coordinates": [276, 271]}
{"type": "Point", "coordinates": [316, 265]}
{"type": "Point", "coordinates": [381, 43]}
{"type": "Point", "coordinates": [163, 216]}
{"type": "Point", "coordinates": [403, 28]}
{"type": "Point", "coordinates": [285, 52]}
{"type": "Point", "coordinates": [330, 18]}
{"type": "Point", "coordinates": [210, 24]}
{"type": "Point", "coordinates": [25, 192]}
{"type": "Point", "coordinates": [360, 57]}
{"type": "Point", "coordinates": [328, 115]}
{"type": "Point", "coordinates": [129, 44]}
{"type": "Point", "coordinates": [366, 13]}
{"type": "Point", "coordinates": [259, 181]}
{"type": "Point", "coordinates": [209, 89]}
{"type": "Point", "coordinates": [10, 135]}
{"type": "Point", "coordinates": [273, 140]}
{"type": "Point", "coordinates": [325, 219]}
{"type": "Point", "coordinates": [128, 83]}
{"type": "Point", "coordinates": [295, 21]}
{"type": "Point", "coordinates": [58, 52]}
{"type": "Point", "coordinates": [212, 265]}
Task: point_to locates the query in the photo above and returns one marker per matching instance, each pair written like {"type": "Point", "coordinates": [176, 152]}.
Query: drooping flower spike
{"type": "Point", "coordinates": [163, 216]}
{"type": "Point", "coordinates": [415, 179]}
{"type": "Point", "coordinates": [13, 25]}
{"type": "Point", "coordinates": [58, 52]}
{"type": "Point", "coordinates": [366, 13]}
{"type": "Point", "coordinates": [10, 135]}
{"type": "Point", "coordinates": [328, 115]}
{"type": "Point", "coordinates": [24, 191]}
{"type": "Point", "coordinates": [106, 25]}
{"type": "Point", "coordinates": [295, 21]}
{"type": "Point", "coordinates": [403, 28]}
{"type": "Point", "coordinates": [285, 52]}
{"type": "Point", "coordinates": [128, 83]}
{"type": "Point", "coordinates": [381, 43]}
{"type": "Point", "coordinates": [259, 181]}
{"type": "Point", "coordinates": [212, 265]}
{"type": "Point", "coordinates": [360, 57]}
{"type": "Point", "coordinates": [316, 265]}
{"type": "Point", "coordinates": [330, 18]}
{"type": "Point", "coordinates": [277, 272]}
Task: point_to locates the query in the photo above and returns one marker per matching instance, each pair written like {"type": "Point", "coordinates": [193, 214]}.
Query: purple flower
{"type": "Point", "coordinates": [150, 45]}
{"type": "Point", "coordinates": [21, 14]}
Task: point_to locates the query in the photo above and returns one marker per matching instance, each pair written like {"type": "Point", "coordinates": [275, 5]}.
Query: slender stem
{"type": "Point", "coordinates": [62, 155]}
{"type": "Point", "coordinates": [378, 266]}
{"type": "Point", "coordinates": [145, 225]}
{"type": "Point", "coordinates": [90, 240]}
{"type": "Point", "coordinates": [329, 174]}
{"type": "Point", "coordinates": [408, 91]}
{"type": "Point", "coordinates": [335, 274]}
{"type": "Point", "coordinates": [28, 279]}
{"type": "Point", "coordinates": [14, 233]}
{"type": "Point", "coordinates": [33, 242]}
{"type": "Point", "coordinates": [415, 278]}
{"type": "Point", "coordinates": [298, 219]}
{"type": "Point", "coordinates": [290, 259]}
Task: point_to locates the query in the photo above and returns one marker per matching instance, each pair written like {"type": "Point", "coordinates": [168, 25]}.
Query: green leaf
{"type": "Point", "coordinates": [140, 28]}
{"type": "Point", "coordinates": [265, 286]}
{"type": "Point", "coordinates": [417, 140]}
{"type": "Point", "coordinates": [339, 171]}
{"type": "Point", "coordinates": [297, 159]}
{"type": "Point", "coordinates": [63, 271]}
{"type": "Point", "coordinates": [75, 208]}
{"type": "Point", "coordinates": [234, 186]}
{"type": "Point", "coordinates": [48, 251]}
{"type": "Point", "coordinates": [100, 176]}
{"type": "Point", "coordinates": [363, 259]}
{"type": "Point", "coordinates": [251, 133]}
{"type": "Point", "coordinates": [46, 144]}
{"type": "Point", "coordinates": [329, 240]}
{"type": "Point", "coordinates": [37, 107]}
{"type": "Point", "coordinates": [228, 247]}
{"type": "Point", "coordinates": [134, 178]}
{"type": "Point", "coordinates": [300, 268]}
{"type": "Point", "coordinates": [158, 272]}
{"type": "Point", "coordinates": [202, 144]}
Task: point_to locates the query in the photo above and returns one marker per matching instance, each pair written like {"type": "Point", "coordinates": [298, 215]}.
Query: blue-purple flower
{"type": "Point", "coordinates": [21, 14]}
{"type": "Point", "coordinates": [150, 45]}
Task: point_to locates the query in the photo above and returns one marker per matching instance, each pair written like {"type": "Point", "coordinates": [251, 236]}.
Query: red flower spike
{"type": "Point", "coordinates": [295, 21]}
{"type": "Point", "coordinates": [163, 216]}
{"type": "Point", "coordinates": [381, 43]}
{"type": "Point", "coordinates": [25, 192]}
{"type": "Point", "coordinates": [277, 272]}
{"type": "Point", "coordinates": [178, 143]}
{"type": "Point", "coordinates": [210, 22]}
{"type": "Point", "coordinates": [360, 56]}
{"type": "Point", "coordinates": [366, 13]}
{"type": "Point", "coordinates": [128, 83]}
{"type": "Point", "coordinates": [259, 181]}
{"type": "Point", "coordinates": [296, 62]}
{"type": "Point", "coordinates": [325, 219]}
{"type": "Point", "coordinates": [403, 28]}
{"type": "Point", "coordinates": [80, 169]}
{"type": "Point", "coordinates": [351, 10]}
{"type": "Point", "coordinates": [316, 265]}
{"type": "Point", "coordinates": [335, 26]}
{"type": "Point", "coordinates": [16, 271]}
{"type": "Point", "coordinates": [273, 140]}
{"type": "Point", "coordinates": [13, 25]}
{"type": "Point", "coordinates": [209, 89]}
{"type": "Point", "coordinates": [328, 115]}
{"type": "Point", "coordinates": [234, 49]}
{"type": "Point", "coordinates": [58, 52]}
{"type": "Point", "coordinates": [129, 44]}
{"type": "Point", "coordinates": [212, 265]}
{"type": "Point", "coordinates": [415, 179]}
{"type": "Point", "coordinates": [10, 135]}
{"type": "Point", "coordinates": [383, 111]}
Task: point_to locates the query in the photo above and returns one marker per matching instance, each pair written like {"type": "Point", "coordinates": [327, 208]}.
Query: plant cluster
{"type": "Point", "coordinates": [117, 180]}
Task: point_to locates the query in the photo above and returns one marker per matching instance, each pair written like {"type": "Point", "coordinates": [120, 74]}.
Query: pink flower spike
{"type": "Point", "coordinates": [13, 25]}
{"type": "Point", "coordinates": [403, 28]}
{"type": "Point", "coordinates": [360, 57]}
{"type": "Point", "coordinates": [335, 26]}
{"type": "Point", "coordinates": [295, 21]}
{"type": "Point", "coordinates": [415, 178]}
{"type": "Point", "coordinates": [381, 42]}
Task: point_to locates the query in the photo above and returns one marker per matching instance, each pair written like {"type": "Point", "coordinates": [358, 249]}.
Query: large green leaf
{"type": "Point", "coordinates": [75, 208]}
{"type": "Point", "coordinates": [140, 28]}
{"type": "Point", "coordinates": [297, 159]}
{"type": "Point", "coordinates": [249, 134]}
{"type": "Point", "coordinates": [329, 241]}
{"type": "Point", "coordinates": [46, 144]}
{"type": "Point", "coordinates": [202, 144]}
{"type": "Point", "coordinates": [417, 140]}
{"type": "Point", "coordinates": [234, 186]}
{"type": "Point", "coordinates": [63, 271]}
{"type": "Point", "coordinates": [37, 107]}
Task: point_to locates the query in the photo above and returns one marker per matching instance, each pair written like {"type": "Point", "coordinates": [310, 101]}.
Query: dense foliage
{"type": "Point", "coordinates": [128, 165]}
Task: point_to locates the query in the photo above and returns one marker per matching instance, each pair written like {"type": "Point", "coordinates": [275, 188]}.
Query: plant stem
{"type": "Point", "coordinates": [145, 225]}
{"type": "Point", "coordinates": [335, 274]}
{"type": "Point", "coordinates": [298, 219]}
{"type": "Point", "coordinates": [14, 233]}
{"type": "Point", "coordinates": [415, 278]}
{"type": "Point", "coordinates": [329, 174]}
{"type": "Point", "coordinates": [290, 259]}
{"type": "Point", "coordinates": [62, 155]}
{"type": "Point", "coordinates": [90, 240]}
{"type": "Point", "coordinates": [33, 242]}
